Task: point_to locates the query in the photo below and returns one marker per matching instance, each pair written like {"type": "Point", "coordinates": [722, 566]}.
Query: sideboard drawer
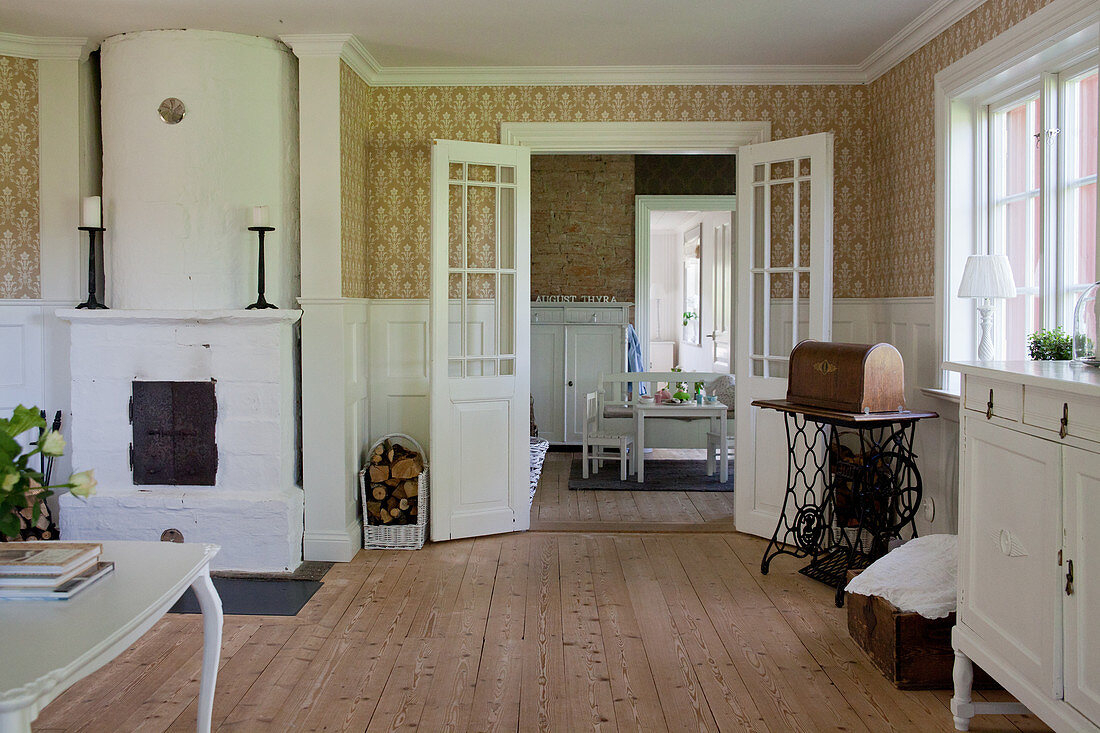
{"type": "Point", "coordinates": [1045, 408]}
{"type": "Point", "coordinates": [547, 315]}
{"type": "Point", "coordinates": [1007, 398]}
{"type": "Point", "coordinates": [593, 315]}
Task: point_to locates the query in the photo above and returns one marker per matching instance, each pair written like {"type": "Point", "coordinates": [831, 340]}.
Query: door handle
{"type": "Point", "coordinates": [1069, 577]}
{"type": "Point", "coordinates": [1063, 429]}
{"type": "Point", "coordinates": [989, 407]}
{"type": "Point", "coordinates": [569, 383]}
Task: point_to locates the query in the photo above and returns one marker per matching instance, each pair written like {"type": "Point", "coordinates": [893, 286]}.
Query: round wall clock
{"type": "Point", "coordinates": [171, 110]}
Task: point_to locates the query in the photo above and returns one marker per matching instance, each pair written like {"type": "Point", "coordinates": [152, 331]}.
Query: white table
{"type": "Point", "coordinates": [716, 413]}
{"type": "Point", "coordinates": [46, 646]}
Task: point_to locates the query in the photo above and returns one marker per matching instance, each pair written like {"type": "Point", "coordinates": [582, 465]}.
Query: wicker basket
{"type": "Point", "coordinates": [401, 536]}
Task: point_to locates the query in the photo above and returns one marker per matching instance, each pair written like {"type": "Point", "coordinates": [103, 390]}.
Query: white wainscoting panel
{"type": "Point", "coordinates": [398, 367]}
{"type": "Point", "coordinates": [397, 359]}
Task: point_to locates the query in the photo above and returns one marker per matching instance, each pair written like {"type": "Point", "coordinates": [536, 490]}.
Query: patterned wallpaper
{"type": "Point", "coordinates": [903, 149]}
{"type": "Point", "coordinates": [18, 178]}
{"type": "Point", "coordinates": [354, 183]}
{"type": "Point", "coordinates": [403, 121]}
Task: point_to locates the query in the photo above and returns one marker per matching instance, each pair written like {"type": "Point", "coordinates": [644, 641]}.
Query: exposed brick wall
{"type": "Point", "coordinates": [582, 225]}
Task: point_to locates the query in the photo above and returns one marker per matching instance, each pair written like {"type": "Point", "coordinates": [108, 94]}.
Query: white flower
{"type": "Point", "coordinates": [83, 484]}
{"type": "Point", "coordinates": [52, 443]}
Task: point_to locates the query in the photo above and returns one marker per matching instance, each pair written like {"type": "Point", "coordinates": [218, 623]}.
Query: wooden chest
{"type": "Point", "coordinates": [847, 377]}
{"type": "Point", "coordinates": [911, 651]}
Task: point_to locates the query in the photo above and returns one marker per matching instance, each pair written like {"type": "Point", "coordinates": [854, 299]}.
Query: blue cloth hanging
{"type": "Point", "coordinates": [634, 357]}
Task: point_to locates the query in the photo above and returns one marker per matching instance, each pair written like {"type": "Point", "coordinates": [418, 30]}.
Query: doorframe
{"type": "Point", "coordinates": [643, 207]}
{"type": "Point", "coordinates": [639, 138]}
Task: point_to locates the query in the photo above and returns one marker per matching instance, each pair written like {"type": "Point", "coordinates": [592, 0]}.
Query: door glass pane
{"type": "Point", "coordinates": [781, 285]}
{"type": "Point", "coordinates": [759, 293]}
{"type": "Point", "coordinates": [507, 228]}
{"type": "Point", "coordinates": [507, 174]}
{"type": "Point", "coordinates": [804, 167]}
{"type": "Point", "coordinates": [781, 322]}
{"type": "Point", "coordinates": [803, 224]}
{"type": "Point", "coordinates": [758, 227]}
{"type": "Point", "coordinates": [457, 171]}
{"type": "Point", "coordinates": [481, 315]}
{"type": "Point", "coordinates": [507, 367]}
{"type": "Point", "coordinates": [782, 169]}
{"type": "Point", "coordinates": [481, 226]}
{"type": "Point", "coordinates": [506, 313]}
{"type": "Point", "coordinates": [1079, 198]}
{"type": "Point", "coordinates": [454, 315]}
{"type": "Point", "coordinates": [758, 172]}
{"type": "Point", "coordinates": [455, 224]}
{"type": "Point", "coordinates": [782, 225]}
{"type": "Point", "coordinates": [778, 369]}
{"type": "Point", "coordinates": [454, 368]}
{"type": "Point", "coordinates": [481, 368]}
{"type": "Point", "coordinates": [486, 173]}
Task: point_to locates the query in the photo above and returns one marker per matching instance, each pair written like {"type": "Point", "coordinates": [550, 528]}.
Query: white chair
{"type": "Point", "coordinates": [713, 441]}
{"type": "Point", "coordinates": [595, 440]}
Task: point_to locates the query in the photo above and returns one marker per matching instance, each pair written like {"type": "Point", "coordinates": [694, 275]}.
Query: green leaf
{"type": "Point", "coordinates": [9, 448]}
{"type": "Point", "coordinates": [9, 524]}
{"type": "Point", "coordinates": [22, 420]}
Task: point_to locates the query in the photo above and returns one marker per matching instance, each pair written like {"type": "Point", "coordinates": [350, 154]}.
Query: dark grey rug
{"type": "Point", "coordinates": [672, 475]}
{"type": "Point", "coordinates": [254, 597]}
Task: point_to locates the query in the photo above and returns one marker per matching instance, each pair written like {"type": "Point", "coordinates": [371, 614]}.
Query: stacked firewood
{"type": "Point", "coordinates": [393, 473]}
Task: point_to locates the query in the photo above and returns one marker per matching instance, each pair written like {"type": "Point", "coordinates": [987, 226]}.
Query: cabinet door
{"type": "Point", "coordinates": [548, 380]}
{"type": "Point", "coordinates": [1082, 606]}
{"type": "Point", "coordinates": [589, 352]}
{"type": "Point", "coordinates": [1010, 507]}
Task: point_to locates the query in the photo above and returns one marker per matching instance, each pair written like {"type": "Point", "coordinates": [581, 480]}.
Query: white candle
{"type": "Point", "coordinates": [259, 216]}
{"type": "Point", "coordinates": [92, 212]}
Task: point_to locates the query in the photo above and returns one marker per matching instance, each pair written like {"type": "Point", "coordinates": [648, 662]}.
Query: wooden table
{"type": "Point", "coordinates": [715, 412]}
{"type": "Point", "coordinates": [48, 645]}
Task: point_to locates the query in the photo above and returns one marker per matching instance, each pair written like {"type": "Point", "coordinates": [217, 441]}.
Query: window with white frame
{"type": "Point", "coordinates": [1042, 200]}
{"type": "Point", "coordinates": [1017, 175]}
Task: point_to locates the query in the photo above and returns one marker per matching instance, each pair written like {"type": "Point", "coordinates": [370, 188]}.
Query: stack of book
{"type": "Point", "coordinates": [39, 571]}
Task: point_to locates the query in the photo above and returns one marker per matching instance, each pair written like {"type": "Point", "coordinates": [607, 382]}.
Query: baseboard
{"type": "Point", "coordinates": [333, 546]}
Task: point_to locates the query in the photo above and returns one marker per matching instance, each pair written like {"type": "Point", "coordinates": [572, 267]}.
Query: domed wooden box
{"type": "Point", "coordinates": [856, 378]}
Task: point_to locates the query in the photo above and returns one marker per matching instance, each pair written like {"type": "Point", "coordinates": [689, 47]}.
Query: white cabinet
{"type": "Point", "coordinates": [1029, 541]}
{"type": "Point", "coordinates": [1081, 478]}
{"type": "Point", "coordinates": [571, 346]}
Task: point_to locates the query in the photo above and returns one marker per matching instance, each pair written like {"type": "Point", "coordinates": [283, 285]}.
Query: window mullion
{"type": "Point", "coordinates": [1050, 255]}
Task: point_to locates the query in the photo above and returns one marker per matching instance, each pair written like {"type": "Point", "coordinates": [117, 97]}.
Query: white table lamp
{"type": "Point", "coordinates": [986, 277]}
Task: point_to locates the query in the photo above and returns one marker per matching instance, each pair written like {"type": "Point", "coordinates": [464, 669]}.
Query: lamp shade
{"type": "Point", "coordinates": [987, 276]}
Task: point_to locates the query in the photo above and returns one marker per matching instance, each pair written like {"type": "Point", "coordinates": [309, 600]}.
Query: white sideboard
{"type": "Point", "coordinates": [1029, 540]}
{"type": "Point", "coordinates": [571, 345]}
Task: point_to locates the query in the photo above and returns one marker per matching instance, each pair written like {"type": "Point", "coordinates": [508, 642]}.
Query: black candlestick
{"type": "Point", "coordinates": [91, 302]}
{"type": "Point", "coordinates": [260, 301]}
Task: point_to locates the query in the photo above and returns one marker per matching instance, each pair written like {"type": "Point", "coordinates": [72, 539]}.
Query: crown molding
{"type": "Point", "coordinates": [942, 15]}
{"type": "Point", "coordinates": [32, 47]}
{"type": "Point", "coordinates": [346, 46]}
{"type": "Point", "coordinates": [419, 76]}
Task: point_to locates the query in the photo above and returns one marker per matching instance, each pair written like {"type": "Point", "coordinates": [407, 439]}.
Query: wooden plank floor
{"type": "Point", "coordinates": [556, 508]}
{"type": "Point", "coordinates": [538, 631]}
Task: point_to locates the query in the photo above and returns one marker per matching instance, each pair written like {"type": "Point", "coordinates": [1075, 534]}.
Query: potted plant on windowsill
{"type": "Point", "coordinates": [1050, 345]}
{"type": "Point", "coordinates": [21, 487]}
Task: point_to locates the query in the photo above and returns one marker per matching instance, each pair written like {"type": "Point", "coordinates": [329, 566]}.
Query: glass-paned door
{"type": "Point", "coordinates": [480, 338]}
{"type": "Point", "coordinates": [784, 295]}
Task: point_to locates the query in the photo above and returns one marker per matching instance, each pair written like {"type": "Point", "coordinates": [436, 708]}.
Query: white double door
{"type": "Point", "coordinates": [480, 321]}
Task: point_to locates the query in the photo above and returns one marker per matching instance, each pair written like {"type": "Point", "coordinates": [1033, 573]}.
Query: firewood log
{"type": "Point", "coordinates": [378, 492]}
{"type": "Point", "coordinates": [399, 492]}
{"type": "Point", "coordinates": [412, 488]}
{"type": "Point", "coordinates": [391, 482]}
{"type": "Point", "coordinates": [403, 504]}
{"type": "Point", "coordinates": [406, 468]}
{"type": "Point", "coordinates": [379, 473]}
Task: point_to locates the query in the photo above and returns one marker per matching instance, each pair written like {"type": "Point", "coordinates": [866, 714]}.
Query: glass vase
{"type": "Point", "coordinates": [1086, 316]}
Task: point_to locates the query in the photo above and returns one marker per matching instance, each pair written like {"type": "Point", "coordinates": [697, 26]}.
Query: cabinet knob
{"type": "Point", "coordinates": [593, 317]}
{"type": "Point", "coordinates": [1069, 577]}
{"type": "Point", "coordinates": [1063, 429]}
{"type": "Point", "coordinates": [569, 383]}
{"type": "Point", "coordinates": [989, 407]}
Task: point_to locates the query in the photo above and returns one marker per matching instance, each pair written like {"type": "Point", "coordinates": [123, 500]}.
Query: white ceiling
{"type": "Point", "coordinates": [660, 221]}
{"type": "Point", "coordinates": [558, 33]}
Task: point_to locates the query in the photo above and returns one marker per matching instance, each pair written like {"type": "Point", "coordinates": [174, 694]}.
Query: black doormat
{"type": "Point", "coordinates": [254, 597]}
{"type": "Point", "coordinates": [660, 475]}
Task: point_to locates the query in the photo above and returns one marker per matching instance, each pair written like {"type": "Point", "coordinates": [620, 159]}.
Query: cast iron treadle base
{"type": "Point", "coordinates": [832, 567]}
